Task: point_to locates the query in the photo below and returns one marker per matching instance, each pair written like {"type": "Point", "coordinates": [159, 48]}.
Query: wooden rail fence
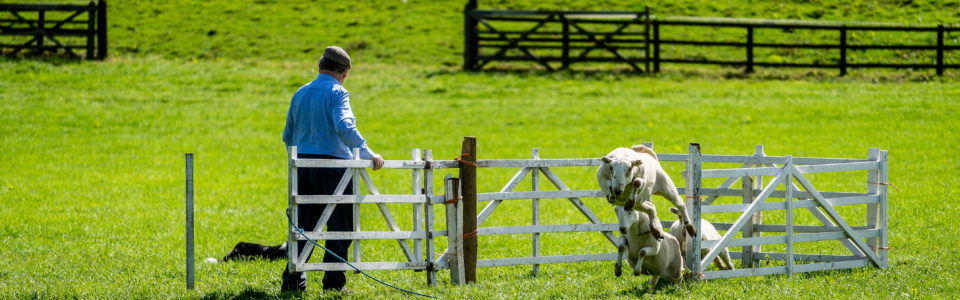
{"type": "Point", "coordinates": [867, 244]}
{"type": "Point", "coordinates": [555, 40]}
{"type": "Point", "coordinates": [60, 24]}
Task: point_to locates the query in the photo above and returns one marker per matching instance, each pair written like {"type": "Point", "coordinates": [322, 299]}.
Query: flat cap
{"type": "Point", "coordinates": [337, 55]}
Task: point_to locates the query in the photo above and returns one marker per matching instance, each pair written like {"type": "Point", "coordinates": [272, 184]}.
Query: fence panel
{"type": "Point", "coordinates": [556, 39]}
{"type": "Point", "coordinates": [63, 25]}
{"type": "Point", "coordinates": [789, 190]}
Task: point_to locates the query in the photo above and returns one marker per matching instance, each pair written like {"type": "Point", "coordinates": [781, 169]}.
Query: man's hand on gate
{"type": "Point", "coordinates": [377, 162]}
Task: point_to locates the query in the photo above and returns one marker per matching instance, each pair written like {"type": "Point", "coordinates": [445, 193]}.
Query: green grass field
{"type": "Point", "coordinates": [92, 168]}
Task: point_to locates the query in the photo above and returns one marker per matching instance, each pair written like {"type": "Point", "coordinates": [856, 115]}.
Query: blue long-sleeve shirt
{"type": "Point", "coordinates": [320, 121]}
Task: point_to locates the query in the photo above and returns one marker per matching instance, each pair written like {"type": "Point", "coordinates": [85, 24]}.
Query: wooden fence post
{"type": "Point", "coordinates": [646, 38]}
{"type": "Point", "coordinates": [102, 30]}
{"type": "Point", "coordinates": [292, 191]}
{"type": "Point", "coordinates": [41, 19]}
{"type": "Point", "coordinates": [455, 219]}
{"type": "Point", "coordinates": [566, 42]}
{"type": "Point", "coordinates": [883, 176]}
{"type": "Point", "coordinates": [356, 209]}
{"type": "Point", "coordinates": [843, 50]}
{"type": "Point", "coordinates": [535, 179]}
{"type": "Point", "coordinates": [873, 209]}
{"type": "Point", "coordinates": [940, 50]}
{"type": "Point", "coordinates": [788, 203]}
{"type": "Point", "coordinates": [429, 217]}
{"type": "Point", "coordinates": [694, 167]}
{"type": "Point", "coordinates": [417, 187]}
{"type": "Point", "coordinates": [656, 46]}
{"type": "Point", "coordinates": [91, 30]}
{"type": "Point", "coordinates": [749, 50]}
{"type": "Point", "coordinates": [469, 37]}
{"type": "Point", "coordinates": [468, 190]}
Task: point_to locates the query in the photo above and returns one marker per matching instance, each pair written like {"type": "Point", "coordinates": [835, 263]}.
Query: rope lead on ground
{"type": "Point", "coordinates": [290, 220]}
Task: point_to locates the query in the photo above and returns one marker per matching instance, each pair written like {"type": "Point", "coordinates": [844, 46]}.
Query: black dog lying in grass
{"type": "Point", "coordinates": [248, 251]}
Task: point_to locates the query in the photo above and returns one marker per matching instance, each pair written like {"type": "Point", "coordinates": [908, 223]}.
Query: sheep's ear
{"type": "Point", "coordinates": [605, 160]}
{"type": "Point", "coordinates": [637, 163]}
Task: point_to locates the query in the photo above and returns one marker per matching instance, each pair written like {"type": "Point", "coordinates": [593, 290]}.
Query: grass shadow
{"type": "Point", "coordinates": [56, 59]}
{"type": "Point", "coordinates": [714, 73]}
{"type": "Point", "coordinates": [643, 288]}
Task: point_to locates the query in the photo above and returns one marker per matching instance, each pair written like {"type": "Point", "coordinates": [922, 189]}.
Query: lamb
{"type": "Point", "coordinates": [707, 233]}
{"type": "Point", "coordinates": [647, 254]}
{"type": "Point", "coordinates": [631, 176]}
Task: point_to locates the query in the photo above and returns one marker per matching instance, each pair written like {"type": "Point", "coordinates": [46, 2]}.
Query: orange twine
{"type": "Point", "coordinates": [465, 161]}
{"type": "Point", "coordinates": [886, 183]}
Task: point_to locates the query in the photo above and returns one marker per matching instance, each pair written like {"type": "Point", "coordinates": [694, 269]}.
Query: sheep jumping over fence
{"type": "Point", "coordinates": [631, 176]}
{"type": "Point", "coordinates": [646, 253]}
{"type": "Point", "coordinates": [707, 233]}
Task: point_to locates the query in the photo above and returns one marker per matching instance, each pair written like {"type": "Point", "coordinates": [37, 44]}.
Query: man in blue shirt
{"type": "Point", "coordinates": [321, 124]}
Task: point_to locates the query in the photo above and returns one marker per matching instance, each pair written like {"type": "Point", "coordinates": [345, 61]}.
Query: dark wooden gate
{"type": "Point", "coordinates": [54, 28]}
{"type": "Point", "coordinates": [556, 39]}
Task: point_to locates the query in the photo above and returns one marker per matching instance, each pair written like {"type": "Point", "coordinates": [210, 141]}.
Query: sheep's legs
{"type": "Point", "coordinates": [649, 250]}
{"type": "Point", "coordinates": [618, 267]}
{"type": "Point", "coordinates": [653, 283]}
{"type": "Point", "coordinates": [622, 247]}
{"type": "Point", "coordinates": [656, 229]}
{"type": "Point", "coordinates": [670, 192]}
{"type": "Point", "coordinates": [725, 257]}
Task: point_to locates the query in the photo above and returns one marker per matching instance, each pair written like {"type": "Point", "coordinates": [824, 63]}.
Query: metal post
{"type": "Point", "coordinates": [189, 212]}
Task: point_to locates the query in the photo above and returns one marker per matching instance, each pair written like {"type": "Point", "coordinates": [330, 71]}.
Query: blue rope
{"type": "Point", "coordinates": [290, 219]}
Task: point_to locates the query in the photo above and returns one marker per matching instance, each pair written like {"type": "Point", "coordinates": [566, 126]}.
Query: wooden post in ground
{"type": "Point", "coordinates": [428, 218]}
{"type": "Point", "coordinates": [454, 230]}
{"type": "Point", "coordinates": [102, 30]}
{"type": "Point", "coordinates": [694, 167]}
{"type": "Point", "coordinates": [843, 50]}
{"type": "Point", "coordinates": [470, 50]}
{"type": "Point", "coordinates": [468, 190]}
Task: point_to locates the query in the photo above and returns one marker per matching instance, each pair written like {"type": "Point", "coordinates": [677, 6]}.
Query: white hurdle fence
{"type": "Point", "coordinates": [867, 244]}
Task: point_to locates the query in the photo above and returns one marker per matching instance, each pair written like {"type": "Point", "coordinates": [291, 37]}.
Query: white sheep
{"type": "Point", "coordinates": [707, 233]}
{"type": "Point", "coordinates": [628, 177]}
{"type": "Point", "coordinates": [647, 254]}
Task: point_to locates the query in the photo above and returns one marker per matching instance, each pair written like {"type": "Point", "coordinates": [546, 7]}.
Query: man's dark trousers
{"type": "Point", "coordinates": [321, 181]}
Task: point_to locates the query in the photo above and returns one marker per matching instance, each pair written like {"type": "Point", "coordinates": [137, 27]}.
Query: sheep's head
{"type": "Point", "coordinates": [617, 179]}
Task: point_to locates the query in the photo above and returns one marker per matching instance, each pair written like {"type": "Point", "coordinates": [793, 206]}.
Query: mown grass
{"type": "Point", "coordinates": [91, 175]}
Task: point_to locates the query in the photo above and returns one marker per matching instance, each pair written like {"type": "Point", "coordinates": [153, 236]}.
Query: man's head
{"type": "Point", "coordinates": [335, 60]}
